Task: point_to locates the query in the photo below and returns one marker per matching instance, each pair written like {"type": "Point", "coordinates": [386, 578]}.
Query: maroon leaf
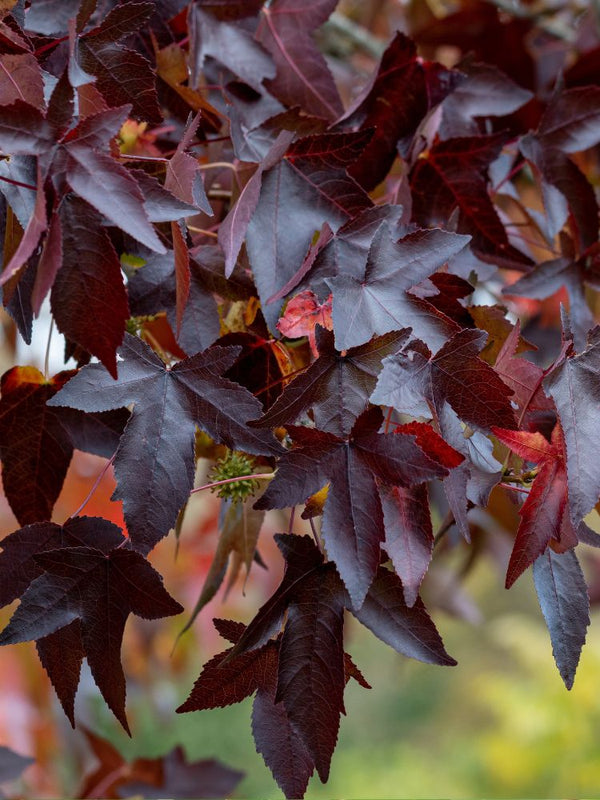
{"type": "Point", "coordinates": [89, 300]}
{"type": "Point", "coordinates": [184, 179]}
{"type": "Point", "coordinates": [564, 601]}
{"type": "Point", "coordinates": [311, 675]}
{"type": "Point", "coordinates": [353, 518]}
{"type": "Point", "coordinates": [376, 301]}
{"type": "Point", "coordinates": [155, 481]}
{"type": "Point", "coordinates": [456, 374]}
{"type": "Point", "coordinates": [522, 376]}
{"type": "Point", "coordinates": [337, 386]}
{"type": "Point", "coordinates": [122, 75]}
{"type": "Point", "coordinates": [409, 631]}
{"type": "Point", "coordinates": [101, 590]}
{"type": "Point", "coordinates": [393, 103]}
{"type": "Point", "coordinates": [21, 79]}
{"type": "Point", "coordinates": [303, 77]}
{"type": "Point", "coordinates": [280, 745]}
{"type": "Point", "coordinates": [300, 676]}
{"type": "Point", "coordinates": [17, 561]}
{"type": "Point", "coordinates": [62, 654]}
{"type": "Point", "coordinates": [453, 175]}
{"type": "Point", "coordinates": [310, 183]}
{"type": "Point", "coordinates": [35, 450]}
{"type": "Point", "coordinates": [408, 535]}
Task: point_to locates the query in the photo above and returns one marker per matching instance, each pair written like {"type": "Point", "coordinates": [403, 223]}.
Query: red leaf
{"type": "Point", "coordinates": [545, 512]}
{"type": "Point", "coordinates": [408, 535]}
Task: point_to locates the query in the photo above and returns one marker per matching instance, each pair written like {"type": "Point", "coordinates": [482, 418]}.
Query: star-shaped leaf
{"type": "Point", "coordinates": [377, 301]}
{"type": "Point", "coordinates": [456, 374]}
{"type": "Point", "coordinates": [154, 464]}
{"type": "Point", "coordinates": [337, 386]}
{"type": "Point", "coordinates": [353, 519]}
{"type": "Point", "coordinates": [100, 588]}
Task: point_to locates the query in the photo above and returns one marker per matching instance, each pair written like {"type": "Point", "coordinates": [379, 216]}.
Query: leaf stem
{"type": "Point", "coordinates": [202, 230]}
{"type": "Point", "coordinates": [315, 535]}
{"type": "Point", "coordinates": [47, 355]}
{"type": "Point", "coordinates": [259, 476]}
{"type": "Point", "coordinates": [447, 523]}
{"type": "Point", "coordinates": [514, 488]}
{"type": "Point", "coordinates": [18, 183]}
{"type": "Point", "coordinates": [94, 487]}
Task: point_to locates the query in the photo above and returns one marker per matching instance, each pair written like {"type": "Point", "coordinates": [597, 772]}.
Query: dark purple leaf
{"type": "Point", "coordinates": [456, 374]}
{"type": "Point", "coordinates": [353, 519]}
{"type": "Point", "coordinates": [409, 631]}
{"type": "Point", "coordinates": [575, 389]}
{"type": "Point", "coordinates": [564, 601]}
{"type": "Point", "coordinates": [453, 175]}
{"type": "Point", "coordinates": [89, 300]}
{"type": "Point", "coordinates": [100, 590]}
{"type": "Point", "coordinates": [155, 459]}
{"type": "Point", "coordinates": [377, 301]}
{"type": "Point", "coordinates": [122, 75]}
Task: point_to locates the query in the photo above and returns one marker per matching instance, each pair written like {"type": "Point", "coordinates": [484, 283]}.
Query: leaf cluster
{"type": "Point", "coordinates": [315, 289]}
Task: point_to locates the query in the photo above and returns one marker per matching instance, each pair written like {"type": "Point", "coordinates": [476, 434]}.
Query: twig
{"type": "Point", "coordinates": [18, 183]}
{"type": "Point", "coordinates": [259, 476]}
{"type": "Point", "coordinates": [447, 523]}
{"type": "Point", "coordinates": [47, 356]}
{"type": "Point", "coordinates": [94, 487]}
